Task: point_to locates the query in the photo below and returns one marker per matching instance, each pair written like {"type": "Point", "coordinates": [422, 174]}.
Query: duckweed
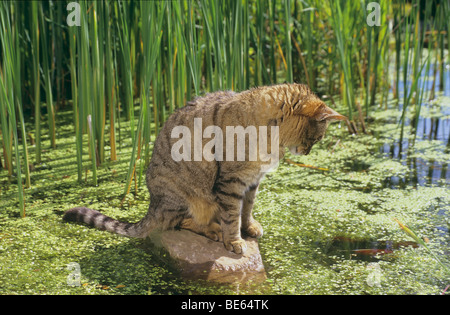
{"type": "Point", "coordinates": [304, 212]}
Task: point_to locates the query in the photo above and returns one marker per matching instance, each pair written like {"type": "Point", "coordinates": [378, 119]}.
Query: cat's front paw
{"type": "Point", "coordinates": [254, 229]}
{"type": "Point", "coordinates": [238, 246]}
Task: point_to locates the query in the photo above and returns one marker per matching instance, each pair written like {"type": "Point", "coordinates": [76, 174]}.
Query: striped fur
{"type": "Point", "coordinates": [215, 198]}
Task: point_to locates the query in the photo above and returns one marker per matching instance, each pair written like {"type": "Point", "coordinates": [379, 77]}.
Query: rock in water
{"type": "Point", "coordinates": [197, 257]}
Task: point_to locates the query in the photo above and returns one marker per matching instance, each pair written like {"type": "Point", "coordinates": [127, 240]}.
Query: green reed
{"type": "Point", "coordinates": [36, 76]}
{"type": "Point", "coordinates": [17, 79]}
{"type": "Point", "coordinates": [98, 71]}
{"type": "Point", "coordinates": [151, 26]}
{"type": "Point", "coordinates": [342, 23]}
{"type": "Point", "coordinates": [111, 97]}
{"type": "Point", "coordinates": [73, 40]}
{"type": "Point", "coordinates": [287, 39]}
{"type": "Point", "coordinates": [423, 243]}
{"type": "Point", "coordinates": [45, 44]}
{"type": "Point", "coordinates": [86, 88]}
{"type": "Point", "coordinates": [413, 65]}
{"type": "Point", "coordinates": [10, 98]}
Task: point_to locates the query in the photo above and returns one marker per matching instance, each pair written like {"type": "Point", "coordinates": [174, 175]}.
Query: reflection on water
{"type": "Point", "coordinates": [427, 164]}
{"type": "Point", "coordinates": [365, 250]}
{"type": "Point", "coordinates": [425, 171]}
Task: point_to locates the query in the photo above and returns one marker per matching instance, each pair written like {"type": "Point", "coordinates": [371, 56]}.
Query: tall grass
{"type": "Point", "coordinates": [414, 61]}
{"type": "Point", "coordinates": [74, 38]}
{"type": "Point", "coordinates": [87, 98]}
{"type": "Point", "coordinates": [10, 97]}
{"type": "Point", "coordinates": [148, 58]}
{"type": "Point", "coordinates": [151, 26]}
{"type": "Point", "coordinates": [287, 40]}
{"type": "Point", "coordinates": [34, 12]}
{"type": "Point", "coordinates": [343, 25]}
{"type": "Point", "coordinates": [47, 29]}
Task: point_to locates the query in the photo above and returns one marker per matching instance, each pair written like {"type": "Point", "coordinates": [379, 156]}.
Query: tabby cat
{"type": "Point", "coordinates": [215, 197]}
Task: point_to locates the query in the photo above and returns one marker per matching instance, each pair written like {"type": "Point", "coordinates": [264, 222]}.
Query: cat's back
{"type": "Point", "coordinates": [201, 106]}
{"type": "Point", "coordinates": [208, 107]}
{"type": "Point", "coordinates": [162, 164]}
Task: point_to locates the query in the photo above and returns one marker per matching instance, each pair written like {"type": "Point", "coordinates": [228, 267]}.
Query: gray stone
{"type": "Point", "coordinates": [197, 257]}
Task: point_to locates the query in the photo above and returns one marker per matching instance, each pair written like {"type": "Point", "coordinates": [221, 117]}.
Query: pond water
{"type": "Point", "coordinates": [433, 124]}
{"type": "Point", "coordinates": [426, 159]}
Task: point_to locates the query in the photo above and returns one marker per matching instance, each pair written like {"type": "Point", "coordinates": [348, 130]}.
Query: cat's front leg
{"type": "Point", "coordinates": [230, 207]}
{"type": "Point", "coordinates": [250, 226]}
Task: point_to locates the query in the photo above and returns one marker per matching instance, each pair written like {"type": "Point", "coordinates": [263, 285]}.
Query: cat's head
{"type": "Point", "coordinates": [306, 125]}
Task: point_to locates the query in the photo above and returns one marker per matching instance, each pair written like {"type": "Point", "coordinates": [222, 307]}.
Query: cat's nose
{"type": "Point", "coordinates": [306, 151]}
{"type": "Point", "coordinates": [302, 151]}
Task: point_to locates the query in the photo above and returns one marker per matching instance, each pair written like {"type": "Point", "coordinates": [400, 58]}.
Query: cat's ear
{"type": "Point", "coordinates": [328, 114]}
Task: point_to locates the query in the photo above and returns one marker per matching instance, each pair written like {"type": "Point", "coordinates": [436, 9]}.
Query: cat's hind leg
{"type": "Point", "coordinates": [202, 218]}
{"type": "Point", "coordinates": [212, 230]}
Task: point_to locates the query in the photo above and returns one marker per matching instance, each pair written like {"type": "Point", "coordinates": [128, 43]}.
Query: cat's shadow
{"type": "Point", "coordinates": [127, 267]}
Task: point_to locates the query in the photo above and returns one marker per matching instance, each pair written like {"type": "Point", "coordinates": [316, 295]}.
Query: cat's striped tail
{"type": "Point", "coordinates": [100, 221]}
